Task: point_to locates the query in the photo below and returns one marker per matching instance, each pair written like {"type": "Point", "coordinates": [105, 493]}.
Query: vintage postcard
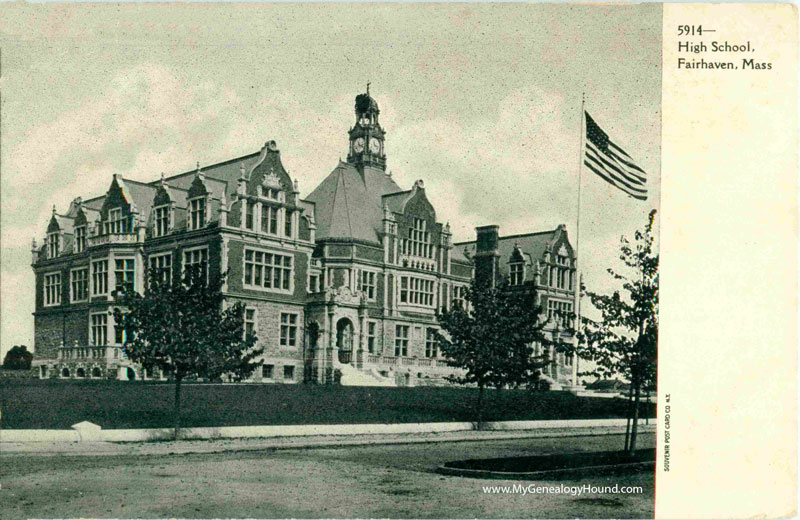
{"type": "Point", "coordinates": [378, 260]}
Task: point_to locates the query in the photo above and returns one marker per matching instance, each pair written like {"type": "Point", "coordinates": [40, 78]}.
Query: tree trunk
{"type": "Point", "coordinates": [480, 406]}
{"type": "Point", "coordinates": [177, 411]}
{"type": "Point", "coordinates": [635, 419]}
{"type": "Point", "coordinates": [628, 417]}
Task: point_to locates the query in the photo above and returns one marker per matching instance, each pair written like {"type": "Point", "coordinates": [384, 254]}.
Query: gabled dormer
{"type": "Point", "coordinates": [163, 212]}
{"type": "Point", "coordinates": [517, 267]}
{"type": "Point", "coordinates": [55, 236]}
{"type": "Point", "coordinates": [81, 227]}
{"type": "Point", "coordinates": [118, 212]}
{"type": "Point", "coordinates": [198, 202]}
{"type": "Point", "coordinates": [266, 199]}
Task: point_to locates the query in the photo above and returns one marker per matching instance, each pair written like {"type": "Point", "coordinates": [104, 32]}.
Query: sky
{"type": "Point", "coordinates": [481, 101]}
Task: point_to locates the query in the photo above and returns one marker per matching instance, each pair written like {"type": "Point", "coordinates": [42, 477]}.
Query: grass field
{"type": "Point", "coordinates": [32, 404]}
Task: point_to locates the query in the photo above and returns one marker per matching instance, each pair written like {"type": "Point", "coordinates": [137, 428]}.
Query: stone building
{"type": "Point", "coordinates": [342, 284]}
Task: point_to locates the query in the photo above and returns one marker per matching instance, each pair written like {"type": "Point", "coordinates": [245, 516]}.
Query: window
{"type": "Point", "coordinates": [459, 296]}
{"type": "Point", "coordinates": [371, 326]}
{"type": "Point", "coordinates": [267, 270]}
{"type": "Point", "coordinates": [197, 213]}
{"type": "Point", "coordinates": [288, 329]}
{"type": "Point", "coordinates": [197, 258]}
{"type": "Point", "coordinates": [267, 371]}
{"type": "Point", "coordinates": [52, 289]}
{"type": "Point", "coordinates": [568, 359]}
{"type": "Point", "coordinates": [517, 273]}
{"type": "Point", "coordinates": [52, 245]}
{"type": "Point", "coordinates": [269, 219]}
{"type": "Point", "coordinates": [553, 276]}
{"type": "Point", "coordinates": [120, 336]}
{"type": "Point", "coordinates": [313, 283]}
{"type": "Point", "coordinates": [270, 193]}
{"type": "Point", "coordinates": [288, 372]}
{"type": "Point", "coordinates": [161, 266]}
{"type": "Point", "coordinates": [401, 340]}
{"type": "Point", "coordinates": [99, 329]}
{"type": "Point", "coordinates": [123, 274]}
{"type": "Point", "coordinates": [558, 312]}
{"type": "Point", "coordinates": [287, 225]}
{"type": "Point", "coordinates": [161, 221]}
{"type": "Point", "coordinates": [416, 291]}
{"type": "Point", "coordinates": [116, 223]}
{"type": "Point", "coordinates": [249, 215]}
{"type": "Point", "coordinates": [80, 239]}
{"type": "Point", "coordinates": [418, 241]}
{"type": "Point", "coordinates": [366, 284]}
{"type": "Point", "coordinates": [403, 289]}
{"type": "Point", "coordinates": [431, 345]}
{"type": "Point", "coordinates": [99, 277]}
{"type": "Point", "coordinates": [79, 284]}
{"type": "Point", "coordinates": [249, 321]}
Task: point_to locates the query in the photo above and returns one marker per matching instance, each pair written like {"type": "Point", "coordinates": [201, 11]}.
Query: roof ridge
{"type": "Point", "coordinates": [215, 165]}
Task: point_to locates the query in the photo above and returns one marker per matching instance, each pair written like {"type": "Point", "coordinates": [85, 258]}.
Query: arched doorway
{"type": "Point", "coordinates": [131, 374]}
{"type": "Point", "coordinates": [65, 372]}
{"type": "Point", "coordinates": [43, 372]}
{"type": "Point", "coordinates": [96, 372]}
{"type": "Point", "coordinates": [344, 340]}
{"type": "Point", "coordinates": [80, 373]}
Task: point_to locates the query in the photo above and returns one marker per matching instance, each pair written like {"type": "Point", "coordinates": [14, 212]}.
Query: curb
{"type": "Point", "coordinates": [88, 432]}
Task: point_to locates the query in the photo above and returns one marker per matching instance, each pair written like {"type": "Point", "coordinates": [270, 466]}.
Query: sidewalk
{"type": "Point", "coordinates": [182, 447]}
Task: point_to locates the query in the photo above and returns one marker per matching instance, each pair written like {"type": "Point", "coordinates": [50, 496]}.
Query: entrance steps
{"type": "Point", "coordinates": [351, 376]}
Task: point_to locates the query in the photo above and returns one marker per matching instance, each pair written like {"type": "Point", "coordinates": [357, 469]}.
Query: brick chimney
{"type": "Point", "coordinates": [487, 255]}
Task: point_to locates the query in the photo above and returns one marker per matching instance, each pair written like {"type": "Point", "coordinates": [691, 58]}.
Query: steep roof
{"type": "Point", "coordinates": [226, 172]}
{"type": "Point", "coordinates": [532, 246]}
{"type": "Point", "coordinates": [348, 204]}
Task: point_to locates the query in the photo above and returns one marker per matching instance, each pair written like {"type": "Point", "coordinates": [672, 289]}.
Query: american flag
{"type": "Point", "coordinates": [612, 163]}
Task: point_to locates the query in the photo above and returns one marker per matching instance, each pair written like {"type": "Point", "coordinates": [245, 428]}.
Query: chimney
{"type": "Point", "coordinates": [487, 255]}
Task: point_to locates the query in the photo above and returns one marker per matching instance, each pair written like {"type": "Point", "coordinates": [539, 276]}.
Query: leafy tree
{"type": "Point", "coordinates": [624, 341]}
{"type": "Point", "coordinates": [492, 338]}
{"type": "Point", "coordinates": [18, 358]}
{"type": "Point", "coordinates": [186, 330]}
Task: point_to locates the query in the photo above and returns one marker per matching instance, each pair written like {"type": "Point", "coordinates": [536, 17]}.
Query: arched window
{"type": "Point", "coordinates": [96, 372]}
{"type": "Point", "coordinates": [65, 372]}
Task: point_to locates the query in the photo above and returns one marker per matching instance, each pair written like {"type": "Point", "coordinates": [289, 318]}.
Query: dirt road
{"type": "Point", "coordinates": [374, 481]}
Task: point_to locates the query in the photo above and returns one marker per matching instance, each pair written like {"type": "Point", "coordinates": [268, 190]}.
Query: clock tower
{"type": "Point", "coordinates": [367, 136]}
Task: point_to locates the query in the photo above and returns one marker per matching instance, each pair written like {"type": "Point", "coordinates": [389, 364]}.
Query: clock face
{"type": "Point", "coordinates": [358, 145]}
{"type": "Point", "coordinates": [374, 146]}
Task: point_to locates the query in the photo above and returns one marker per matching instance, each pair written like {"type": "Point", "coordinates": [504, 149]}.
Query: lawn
{"type": "Point", "coordinates": [33, 404]}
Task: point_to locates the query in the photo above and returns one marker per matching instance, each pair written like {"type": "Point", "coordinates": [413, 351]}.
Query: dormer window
{"type": "Point", "coordinates": [80, 239]}
{"type": "Point", "coordinates": [517, 271]}
{"type": "Point", "coordinates": [116, 223]}
{"type": "Point", "coordinates": [53, 246]}
{"type": "Point", "coordinates": [161, 221]}
{"type": "Point", "coordinates": [418, 242]}
{"type": "Point", "coordinates": [270, 193]}
{"type": "Point", "coordinates": [269, 219]}
{"type": "Point", "coordinates": [197, 213]}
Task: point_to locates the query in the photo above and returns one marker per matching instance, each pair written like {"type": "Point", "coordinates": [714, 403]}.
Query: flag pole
{"type": "Point", "coordinates": [577, 282]}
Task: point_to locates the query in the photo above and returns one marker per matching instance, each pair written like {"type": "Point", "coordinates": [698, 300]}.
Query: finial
{"type": "Point", "coordinates": [447, 226]}
{"type": "Point", "coordinates": [198, 165]}
{"type": "Point", "coordinates": [368, 84]}
{"type": "Point", "coordinates": [223, 201]}
{"type": "Point", "coordinates": [33, 243]}
{"type": "Point", "coordinates": [296, 186]}
{"type": "Point", "coordinates": [241, 172]}
{"type": "Point", "coordinates": [54, 209]}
